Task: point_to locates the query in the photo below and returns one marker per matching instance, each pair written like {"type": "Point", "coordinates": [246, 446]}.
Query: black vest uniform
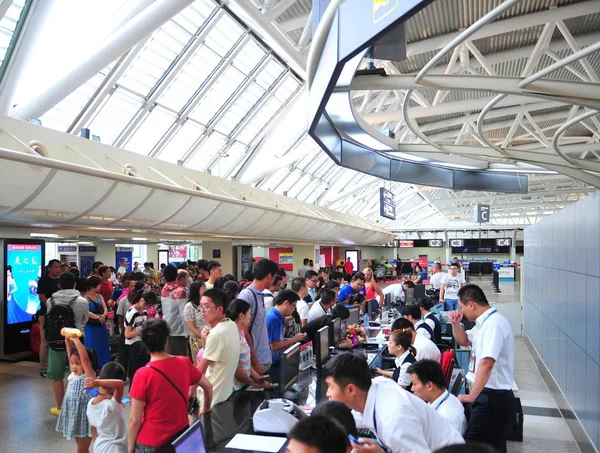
{"type": "Point", "coordinates": [438, 328]}
{"type": "Point", "coordinates": [426, 326]}
{"type": "Point", "coordinates": [408, 359]}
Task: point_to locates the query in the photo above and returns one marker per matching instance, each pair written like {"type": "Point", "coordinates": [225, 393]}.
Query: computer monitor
{"type": "Point", "coordinates": [387, 301]}
{"type": "Point", "coordinates": [419, 291]}
{"type": "Point", "coordinates": [191, 441]}
{"type": "Point", "coordinates": [321, 346]}
{"type": "Point", "coordinates": [410, 296]}
{"type": "Point", "coordinates": [354, 315]}
{"type": "Point", "coordinates": [335, 332]}
{"type": "Point", "coordinates": [289, 367]}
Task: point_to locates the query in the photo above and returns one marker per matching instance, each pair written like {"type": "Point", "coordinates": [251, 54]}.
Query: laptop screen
{"type": "Point", "coordinates": [191, 441]}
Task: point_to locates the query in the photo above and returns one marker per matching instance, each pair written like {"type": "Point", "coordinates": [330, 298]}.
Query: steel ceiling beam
{"type": "Point", "coordinates": [121, 41]}
{"type": "Point", "coordinates": [508, 25]}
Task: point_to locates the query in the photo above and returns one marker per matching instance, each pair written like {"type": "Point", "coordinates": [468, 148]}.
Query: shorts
{"type": "Point", "coordinates": [57, 365]}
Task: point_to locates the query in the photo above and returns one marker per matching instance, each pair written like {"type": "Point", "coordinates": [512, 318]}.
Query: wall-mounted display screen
{"type": "Point", "coordinates": [24, 261]}
{"type": "Point", "coordinates": [406, 243]}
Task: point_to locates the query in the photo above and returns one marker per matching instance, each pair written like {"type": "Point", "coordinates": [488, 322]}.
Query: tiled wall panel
{"type": "Point", "coordinates": [561, 306]}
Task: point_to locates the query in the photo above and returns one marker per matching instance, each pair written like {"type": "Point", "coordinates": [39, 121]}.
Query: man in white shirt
{"type": "Point", "coordinates": [401, 421]}
{"type": "Point", "coordinates": [270, 292]}
{"type": "Point", "coordinates": [426, 349]}
{"type": "Point", "coordinates": [436, 277]}
{"type": "Point", "coordinates": [449, 287]}
{"type": "Point", "coordinates": [491, 367]}
{"type": "Point", "coordinates": [299, 287]}
{"type": "Point", "coordinates": [222, 347]}
{"type": "Point", "coordinates": [322, 307]}
{"type": "Point", "coordinates": [394, 289]}
{"type": "Point", "coordinates": [122, 268]}
{"type": "Point", "coordinates": [413, 314]}
{"type": "Point", "coordinates": [429, 384]}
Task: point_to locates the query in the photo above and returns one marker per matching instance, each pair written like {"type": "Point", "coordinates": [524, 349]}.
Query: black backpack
{"type": "Point", "coordinates": [58, 317]}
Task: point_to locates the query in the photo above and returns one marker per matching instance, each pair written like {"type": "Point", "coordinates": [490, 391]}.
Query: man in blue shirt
{"type": "Point", "coordinates": [358, 281]}
{"type": "Point", "coordinates": [283, 306]}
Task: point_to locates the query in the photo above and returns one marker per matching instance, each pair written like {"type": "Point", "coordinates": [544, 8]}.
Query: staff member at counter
{"type": "Point", "coordinates": [491, 367]}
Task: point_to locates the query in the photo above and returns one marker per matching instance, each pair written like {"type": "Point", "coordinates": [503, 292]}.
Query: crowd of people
{"type": "Point", "coordinates": [187, 337]}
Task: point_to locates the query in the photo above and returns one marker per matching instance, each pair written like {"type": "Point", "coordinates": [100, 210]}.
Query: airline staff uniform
{"type": "Point", "coordinates": [403, 422]}
{"type": "Point", "coordinates": [448, 406]}
{"type": "Point", "coordinates": [492, 338]}
{"type": "Point", "coordinates": [424, 329]}
{"type": "Point", "coordinates": [400, 373]}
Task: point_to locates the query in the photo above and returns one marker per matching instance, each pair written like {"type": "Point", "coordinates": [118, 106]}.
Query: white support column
{"type": "Point", "coordinates": [448, 249]}
{"type": "Point", "coordinates": [25, 44]}
{"type": "Point", "coordinates": [124, 39]}
{"type": "Point", "coordinates": [513, 249]}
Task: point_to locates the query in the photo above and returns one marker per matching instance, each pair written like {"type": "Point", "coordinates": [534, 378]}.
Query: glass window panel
{"type": "Point", "coordinates": [62, 115]}
{"type": "Point", "coordinates": [240, 109]}
{"type": "Point", "coordinates": [151, 131]}
{"type": "Point", "coordinates": [8, 23]}
{"type": "Point", "coordinates": [263, 116]}
{"type": "Point", "coordinates": [115, 115]}
{"type": "Point", "coordinates": [191, 17]}
{"type": "Point", "coordinates": [154, 59]}
{"type": "Point", "coordinates": [229, 159]}
{"type": "Point", "coordinates": [185, 84]}
{"type": "Point", "coordinates": [181, 142]}
{"type": "Point", "coordinates": [287, 88]}
{"type": "Point", "coordinates": [206, 152]}
{"type": "Point", "coordinates": [249, 57]}
{"type": "Point", "coordinates": [226, 84]}
{"type": "Point", "coordinates": [269, 74]}
{"type": "Point", "coordinates": [224, 35]}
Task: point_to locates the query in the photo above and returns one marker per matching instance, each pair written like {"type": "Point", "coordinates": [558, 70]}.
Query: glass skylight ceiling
{"type": "Point", "coordinates": [8, 24]}
{"type": "Point", "coordinates": [200, 89]}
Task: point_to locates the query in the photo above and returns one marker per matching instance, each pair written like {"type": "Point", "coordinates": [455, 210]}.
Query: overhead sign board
{"type": "Point", "coordinates": [436, 243]}
{"type": "Point", "coordinates": [387, 204]}
{"type": "Point", "coordinates": [481, 213]}
{"type": "Point", "coordinates": [504, 242]}
{"type": "Point", "coordinates": [456, 242]}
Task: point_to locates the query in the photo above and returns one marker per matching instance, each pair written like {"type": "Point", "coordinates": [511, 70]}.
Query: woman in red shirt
{"type": "Point", "coordinates": [160, 392]}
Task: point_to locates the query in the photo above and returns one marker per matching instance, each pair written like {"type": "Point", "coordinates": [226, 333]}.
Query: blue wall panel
{"type": "Point", "coordinates": [561, 306]}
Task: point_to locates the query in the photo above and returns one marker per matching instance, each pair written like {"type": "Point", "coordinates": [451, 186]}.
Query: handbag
{"type": "Point", "coordinates": [90, 321]}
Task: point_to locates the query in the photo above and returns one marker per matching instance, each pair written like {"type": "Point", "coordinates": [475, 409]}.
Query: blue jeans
{"type": "Point", "coordinates": [450, 304]}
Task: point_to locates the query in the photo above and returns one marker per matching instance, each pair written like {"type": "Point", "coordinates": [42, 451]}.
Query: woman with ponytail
{"type": "Point", "coordinates": [400, 346]}
{"type": "Point", "coordinates": [192, 315]}
{"type": "Point", "coordinates": [134, 320]}
{"type": "Point", "coordinates": [239, 312]}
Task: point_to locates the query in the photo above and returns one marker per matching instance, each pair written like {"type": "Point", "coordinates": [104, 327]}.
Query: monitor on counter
{"type": "Point", "coordinates": [289, 367]}
{"type": "Point", "coordinates": [321, 346]}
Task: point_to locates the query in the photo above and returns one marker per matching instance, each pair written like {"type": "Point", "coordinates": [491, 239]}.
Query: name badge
{"type": "Point", "coordinates": [471, 371]}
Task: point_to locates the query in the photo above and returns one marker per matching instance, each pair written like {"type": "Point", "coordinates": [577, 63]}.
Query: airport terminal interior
{"type": "Point", "coordinates": [273, 193]}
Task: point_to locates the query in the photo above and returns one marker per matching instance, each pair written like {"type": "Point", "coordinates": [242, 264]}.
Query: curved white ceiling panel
{"type": "Point", "coordinates": [19, 188]}
{"type": "Point", "coordinates": [118, 204]}
{"type": "Point", "coordinates": [88, 184]}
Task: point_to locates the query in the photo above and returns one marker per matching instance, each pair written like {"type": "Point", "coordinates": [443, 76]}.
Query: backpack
{"type": "Point", "coordinates": [58, 317]}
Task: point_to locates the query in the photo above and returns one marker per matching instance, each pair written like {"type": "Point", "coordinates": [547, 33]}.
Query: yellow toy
{"type": "Point", "coordinates": [71, 332]}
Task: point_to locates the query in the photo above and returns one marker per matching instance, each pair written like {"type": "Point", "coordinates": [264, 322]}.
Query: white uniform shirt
{"type": "Point", "coordinates": [302, 308]}
{"type": "Point", "coordinates": [436, 279]}
{"type": "Point", "coordinates": [449, 407]}
{"type": "Point", "coordinates": [405, 423]}
{"type": "Point", "coordinates": [422, 331]}
{"type": "Point", "coordinates": [268, 299]}
{"type": "Point", "coordinates": [453, 284]}
{"type": "Point", "coordinates": [426, 349]}
{"type": "Point", "coordinates": [430, 323]}
{"type": "Point", "coordinates": [316, 311]}
{"type": "Point", "coordinates": [395, 290]}
{"type": "Point", "coordinates": [492, 338]}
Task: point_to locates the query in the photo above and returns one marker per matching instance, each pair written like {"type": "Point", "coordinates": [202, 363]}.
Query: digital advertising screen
{"type": "Point", "coordinates": [24, 262]}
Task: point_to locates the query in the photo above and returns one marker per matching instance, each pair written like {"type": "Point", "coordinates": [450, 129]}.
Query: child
{"type": "Point", "coordinates": [134, 320]}
{"type": "Point", "coordinates": [105, 412]}
{"type": "Point", "coordinates": [73, 421]}
{"type": "Point", "coordinates": [400, 346]}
